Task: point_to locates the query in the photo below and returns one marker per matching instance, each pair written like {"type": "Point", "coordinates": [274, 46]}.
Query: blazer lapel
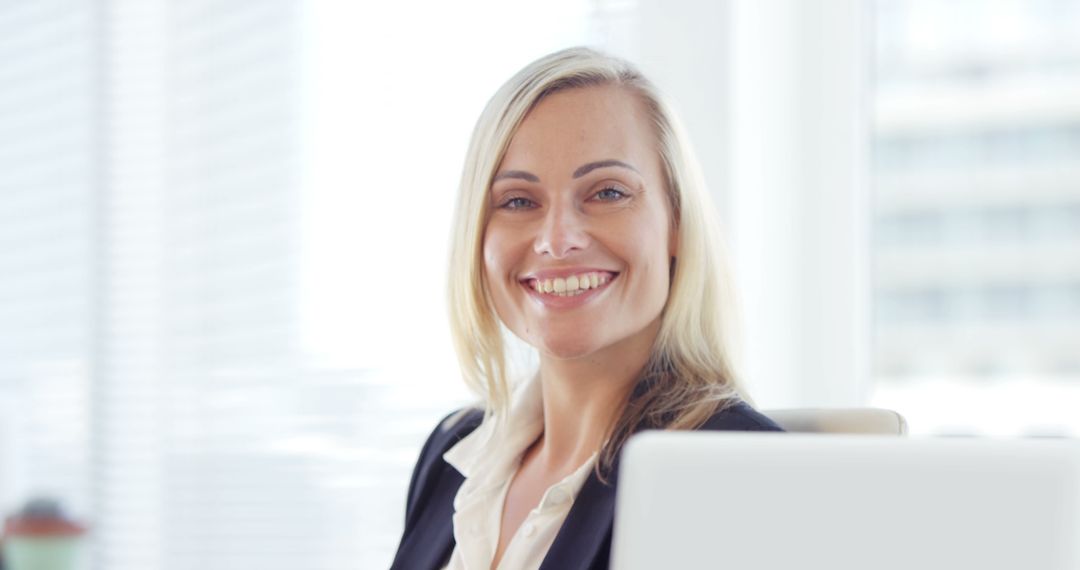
{"type": "Point", "coordinates": [586, 533]}
{"type": "Point", "coordinates": [431, 541]}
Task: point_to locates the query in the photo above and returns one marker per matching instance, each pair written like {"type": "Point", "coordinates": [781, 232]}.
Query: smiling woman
{"type": "Point", "coordinates": [583, 228]}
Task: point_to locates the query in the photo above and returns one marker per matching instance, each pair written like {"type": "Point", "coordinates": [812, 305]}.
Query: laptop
{"type": "Point", "coordinates": [798, 501]}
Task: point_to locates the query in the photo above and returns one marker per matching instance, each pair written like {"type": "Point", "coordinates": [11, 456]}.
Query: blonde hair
{"type": "Point", "coordinates": [689, 375]}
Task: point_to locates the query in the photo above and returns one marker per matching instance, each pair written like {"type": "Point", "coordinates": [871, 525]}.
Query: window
{"type": "Point", "coordinates": [976, 238]}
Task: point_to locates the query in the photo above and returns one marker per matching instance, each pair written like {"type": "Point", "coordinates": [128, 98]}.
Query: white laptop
{"type": "Point", "coordinates": [751, 501]}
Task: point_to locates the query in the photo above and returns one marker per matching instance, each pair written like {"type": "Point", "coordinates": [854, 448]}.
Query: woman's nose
{"type": "Point", "coordinates": [563, 232]}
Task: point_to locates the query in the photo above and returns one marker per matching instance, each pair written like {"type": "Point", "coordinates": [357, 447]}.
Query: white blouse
{"type": "Point", "coordinates": [488, 468]}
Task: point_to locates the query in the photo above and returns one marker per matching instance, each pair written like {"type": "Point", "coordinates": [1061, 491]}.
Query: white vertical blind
{"type": "Point", "coordinates": [229, 274]}
{"type": "Point", "coordinates": [127, 442]}
{"type": "Point", "coordinates": [48, 128]}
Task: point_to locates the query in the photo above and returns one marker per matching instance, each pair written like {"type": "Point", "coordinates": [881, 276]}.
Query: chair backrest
{"type": "Point", "coordinates": [875, 421]}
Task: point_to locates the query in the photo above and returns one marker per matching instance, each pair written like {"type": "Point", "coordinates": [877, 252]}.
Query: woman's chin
{"type": "Point", "coordinates": [564, 348]}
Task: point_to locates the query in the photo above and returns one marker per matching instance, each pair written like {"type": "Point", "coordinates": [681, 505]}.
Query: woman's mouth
{"type": "Point", "coordinates": [571, 285]}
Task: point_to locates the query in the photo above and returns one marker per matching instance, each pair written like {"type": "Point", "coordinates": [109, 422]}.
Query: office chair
{"type": "Point", "coordinates": [874, 421]}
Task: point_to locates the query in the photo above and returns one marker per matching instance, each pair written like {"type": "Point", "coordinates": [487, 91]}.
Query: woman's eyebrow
{"type": "Point", "coordinates": [581, 171]}
{"type": "Point", "coordinates": [517, 174]}
{"type": "Point", "coordinates": [591, 166]}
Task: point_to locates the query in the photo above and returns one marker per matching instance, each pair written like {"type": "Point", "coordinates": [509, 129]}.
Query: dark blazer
{"type": "Point", "coordinates": [583, 542]}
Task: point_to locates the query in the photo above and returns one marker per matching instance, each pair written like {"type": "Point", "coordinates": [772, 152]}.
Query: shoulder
{"type": "Point", "coordinates": [450, 430]}
{"type": "Point", "coordinates": [737, 415]}
{"type": "Point", "coordinates": [458, 424]}
{"type": "Point", "coordinates": [430, 466]}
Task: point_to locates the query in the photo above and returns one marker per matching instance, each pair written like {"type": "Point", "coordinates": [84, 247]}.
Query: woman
{"type": "Point", "coordinates": [583, 228]}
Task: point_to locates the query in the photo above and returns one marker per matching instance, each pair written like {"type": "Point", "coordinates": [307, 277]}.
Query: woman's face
{"type": "Point", "coordinates": [578, 244]}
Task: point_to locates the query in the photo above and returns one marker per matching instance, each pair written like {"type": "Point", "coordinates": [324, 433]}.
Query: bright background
{"type": "Point", "coordinates": [223, 232]}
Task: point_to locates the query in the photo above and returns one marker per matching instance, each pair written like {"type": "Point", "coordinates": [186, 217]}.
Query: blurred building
{"type": "Point", "coordinates": [977, 176]}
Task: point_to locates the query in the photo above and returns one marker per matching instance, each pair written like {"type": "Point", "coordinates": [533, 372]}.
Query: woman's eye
{"type": "Point", "coordinates": [610, 195]}
{"type": "Point", "coordinates": [517, 203]}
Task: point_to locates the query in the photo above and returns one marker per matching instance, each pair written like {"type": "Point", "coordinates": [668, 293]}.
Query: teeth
{"type": "Point", "coordinates": [572, 285]}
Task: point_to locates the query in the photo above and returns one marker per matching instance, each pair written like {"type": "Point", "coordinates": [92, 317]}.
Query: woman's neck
{"type": "Point", "coordinates": [584, 396]}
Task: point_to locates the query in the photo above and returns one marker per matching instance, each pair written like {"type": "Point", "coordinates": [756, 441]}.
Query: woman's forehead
{"type": "Point", "coordinates": [581, 125]}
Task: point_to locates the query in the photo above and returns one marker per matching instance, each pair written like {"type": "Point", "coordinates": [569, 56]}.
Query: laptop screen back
{"type": "Point", "coordinates": [787, 501]}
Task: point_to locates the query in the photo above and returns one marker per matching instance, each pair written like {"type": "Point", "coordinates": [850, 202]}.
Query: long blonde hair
{"type": "Point", "coordinates": [689, 375]}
